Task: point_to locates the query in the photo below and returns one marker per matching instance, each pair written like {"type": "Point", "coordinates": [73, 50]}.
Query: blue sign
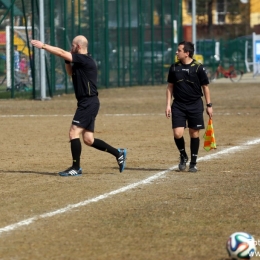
{"type": "Point", "coordinates": [257, 51]}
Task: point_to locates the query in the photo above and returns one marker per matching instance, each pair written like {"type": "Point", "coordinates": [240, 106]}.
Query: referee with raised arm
{"type": "Point", "coordinates": [83, 70]}
{"type": "Point", "coordinates": [187, 82]}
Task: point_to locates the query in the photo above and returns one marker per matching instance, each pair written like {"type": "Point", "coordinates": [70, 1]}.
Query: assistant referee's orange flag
{"type": "Point", "coordinates": [209, 137]}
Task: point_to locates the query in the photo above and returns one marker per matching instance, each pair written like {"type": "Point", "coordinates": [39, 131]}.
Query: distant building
{"type": "Point", "coordinates": [254, 13]}
{"type": "Point", "coordinates": [228, 19]}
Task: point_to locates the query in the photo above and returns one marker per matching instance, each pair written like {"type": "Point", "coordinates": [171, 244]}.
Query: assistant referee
{"type": "Point", "coordinates": [187, 82]}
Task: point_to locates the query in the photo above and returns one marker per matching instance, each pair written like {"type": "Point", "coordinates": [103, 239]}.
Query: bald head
{"type": "Point", "coordinates": [80, 44]}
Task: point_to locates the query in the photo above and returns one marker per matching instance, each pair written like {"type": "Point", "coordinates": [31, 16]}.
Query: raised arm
{"type": "Point", "coordinates": [66, 55]}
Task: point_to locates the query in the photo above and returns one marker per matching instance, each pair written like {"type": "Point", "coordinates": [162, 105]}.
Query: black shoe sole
{"type": "Point", "coordinates": [182, 168]}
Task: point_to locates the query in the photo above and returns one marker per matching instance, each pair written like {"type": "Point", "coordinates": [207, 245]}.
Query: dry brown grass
{"type": "Point", "coordinates": [179, 216]}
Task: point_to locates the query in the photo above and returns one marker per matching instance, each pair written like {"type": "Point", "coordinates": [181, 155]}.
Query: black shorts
{"type": "Point", "coordinates": [86, 113]}
{"type": "Point", "coordinates": [191, 114]}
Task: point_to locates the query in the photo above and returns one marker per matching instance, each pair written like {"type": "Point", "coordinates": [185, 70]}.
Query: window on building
{"type": "Point", "coordinates": [189, 6]}
{"type": "Point", "coordinates": [221, 10]}
{"type": "Point", "coordinates": [201, 7]}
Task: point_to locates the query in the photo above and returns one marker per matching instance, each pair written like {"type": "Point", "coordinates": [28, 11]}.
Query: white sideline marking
{"type": "Point", "coordinates": [145, 114]}
{"type": "Point", "coordinates": [29, 221]}
{"type": "Point", "coordinates": [151, 114]}
{"type": "Point", "coordinates": [35, 115]}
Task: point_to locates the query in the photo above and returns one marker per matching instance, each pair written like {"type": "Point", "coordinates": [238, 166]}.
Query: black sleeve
{"type": "Point", "coordinates": [78, 58]}
{"type": "Point", "coordinates": [202, 75]}
{"type": "Point", "coordinates": [170, 74]}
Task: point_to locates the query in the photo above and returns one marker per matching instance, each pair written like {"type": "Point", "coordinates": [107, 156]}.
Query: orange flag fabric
{"type": "Point", "coordinates": [209, 137]}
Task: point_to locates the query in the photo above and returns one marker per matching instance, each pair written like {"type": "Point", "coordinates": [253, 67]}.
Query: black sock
{"type": "Point", "coordinates": [180, 143]}
{"type": "Point", "coordinates": [75, 146]}
{"type": "Point", "coordinates": [194, 149]}
{"type": "Point", "coordinates": [103, 146]}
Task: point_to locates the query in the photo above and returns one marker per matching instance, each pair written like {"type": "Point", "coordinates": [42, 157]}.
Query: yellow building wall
{"type": "Point", "coordinates": [186, 17]}
{"type": "Point", "coordinates": [255, 12]}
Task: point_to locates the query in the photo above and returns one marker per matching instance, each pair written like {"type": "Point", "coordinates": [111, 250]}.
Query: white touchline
{"type": "Point", "coordinates": [15, 116]}
{"type": "Point", "coordinates": [18, 116]}
{"type": "Point", "coordinates": [29, 221]}
{"type": "Point", "coordinates": [146, 114]}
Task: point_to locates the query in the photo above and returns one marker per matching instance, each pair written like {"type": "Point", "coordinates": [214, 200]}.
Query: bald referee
{"type": "Point", "coordinates": [83, 70]}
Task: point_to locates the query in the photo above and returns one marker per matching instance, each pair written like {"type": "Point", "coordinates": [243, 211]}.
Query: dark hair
{"type": "Point", "coordinates": [188, 47]}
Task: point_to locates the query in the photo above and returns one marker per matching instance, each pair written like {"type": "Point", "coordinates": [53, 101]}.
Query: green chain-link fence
{"type": "Point", "coordinates": [132, 41]}
{"type": "Point", "coordinates": [237, 52]}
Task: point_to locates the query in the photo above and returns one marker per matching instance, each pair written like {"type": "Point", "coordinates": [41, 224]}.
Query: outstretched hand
{"type": "Point", "coordinates": [37, 44]}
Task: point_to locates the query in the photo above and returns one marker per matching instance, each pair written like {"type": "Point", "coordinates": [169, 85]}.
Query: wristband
{"type": "Point", "coordinates": [43, 46]}
{"type": "Point", "coordinates": [67, 62]}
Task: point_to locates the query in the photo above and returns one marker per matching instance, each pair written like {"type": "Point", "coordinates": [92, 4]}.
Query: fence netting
{"type": "Point", "coordinates": [133, 42]}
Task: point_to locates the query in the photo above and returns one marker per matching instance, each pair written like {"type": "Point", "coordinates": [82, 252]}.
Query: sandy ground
{"type": "Point", "coordinates": [151, 210]}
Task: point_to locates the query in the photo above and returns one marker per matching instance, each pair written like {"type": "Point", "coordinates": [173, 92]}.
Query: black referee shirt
{"type": "Point", "coordinates": [187, 80]}
{"type": "Point", "coordinates": [84, 76]}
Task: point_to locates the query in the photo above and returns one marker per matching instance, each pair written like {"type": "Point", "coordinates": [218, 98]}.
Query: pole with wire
{"type": "Point", "coordinates": [42, 53]}
{"type": "Point", "coordinates": [194, 32]}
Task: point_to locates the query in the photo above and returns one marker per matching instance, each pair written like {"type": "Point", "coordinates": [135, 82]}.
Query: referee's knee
{"type": "Point", "coordinates": [88, 141]}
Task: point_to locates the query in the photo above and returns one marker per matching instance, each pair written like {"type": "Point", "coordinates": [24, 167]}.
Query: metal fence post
{"type": "Point", "coordinates": [52, 42]}
{"type": "Point", "coordinates": [106, 42]}
{"type": "Point", "coordinates": [129, 65]}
